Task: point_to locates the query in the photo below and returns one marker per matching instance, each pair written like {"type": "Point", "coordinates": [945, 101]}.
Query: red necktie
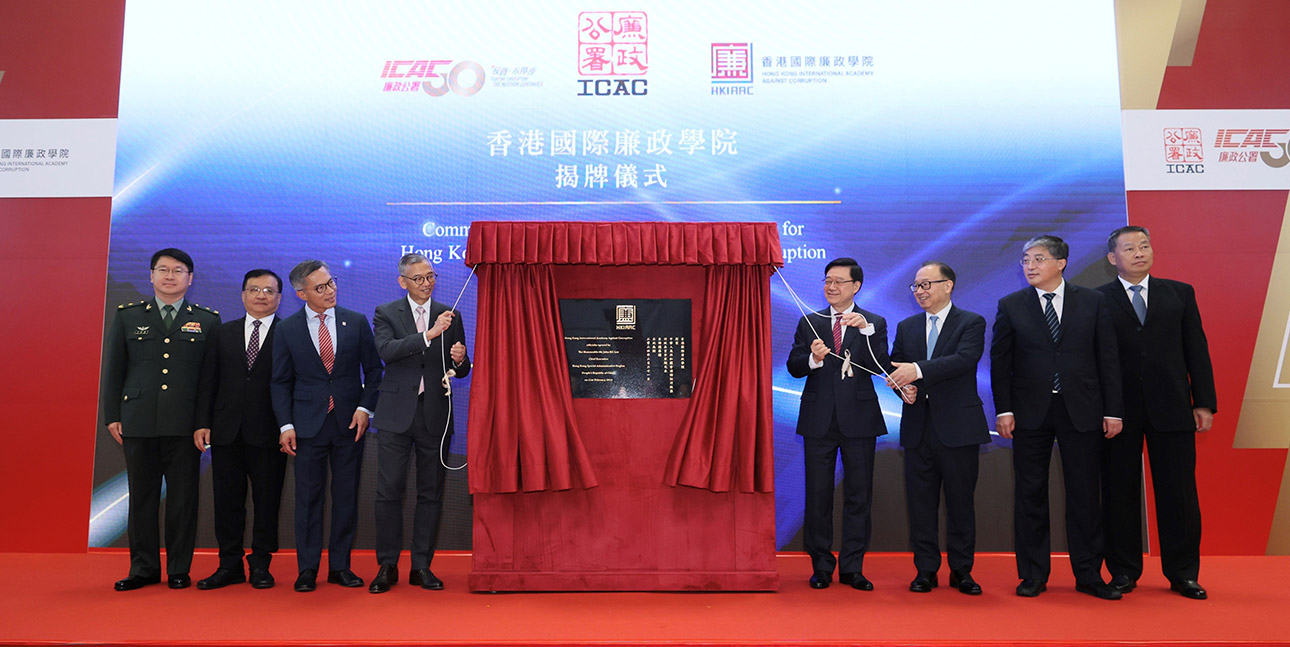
{"type": "Point", "coordinates": [325, 351]}
{"type": "Point", "coordinates": [837, 333]}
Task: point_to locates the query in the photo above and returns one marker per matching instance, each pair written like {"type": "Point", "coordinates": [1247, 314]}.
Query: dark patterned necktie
{"type": "Point", "coordinates": [168, 316]}
{"type": "Point", "coordinates": [1054, 329]}
{"type": "Point", "coordinates": [253, 346]}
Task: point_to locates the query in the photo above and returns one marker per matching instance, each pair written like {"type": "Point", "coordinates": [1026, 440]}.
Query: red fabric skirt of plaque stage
{"type": "Point", "coordinates": [622, 494]}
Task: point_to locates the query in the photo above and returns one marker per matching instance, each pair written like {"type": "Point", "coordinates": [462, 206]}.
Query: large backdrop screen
{"type": "Point", "coordinates": [257, 134]}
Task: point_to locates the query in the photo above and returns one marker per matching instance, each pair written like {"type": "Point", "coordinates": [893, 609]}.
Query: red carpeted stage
{"type": "Point", "coordinates": [68, 599]}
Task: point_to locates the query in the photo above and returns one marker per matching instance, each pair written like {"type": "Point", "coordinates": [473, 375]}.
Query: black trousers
{"type": "Point", "coordinates": [1173, 478]}
{"type": "Point", "coordinates": [334, 444]}
{"type": "Point", "coordinates": [149, 461]}
{"type": "Point", "coordinates": [1081, 455]}
{"type": "Point", "coordinates": [821, 456]}
{"type": "Point", "coordinates": [393, 453]}
{"type": "Point", "coordinates": [233, 466]}
{"type": "Point", "coordinates": [930, 468]}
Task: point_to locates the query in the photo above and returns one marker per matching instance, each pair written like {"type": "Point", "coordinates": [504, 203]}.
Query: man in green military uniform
{"type": "Point", "coordinates": [152, 361]}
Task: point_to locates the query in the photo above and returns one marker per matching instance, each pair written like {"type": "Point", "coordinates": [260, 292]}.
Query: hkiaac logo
{"type": "Point", "coordinates": [732, 71]}
{"type": "Point", "coordinates": [613, 44]}
{"type": "Point", "coordinates": [1256, 138]}
{"type": "Point", "coordinates": [433, 82]}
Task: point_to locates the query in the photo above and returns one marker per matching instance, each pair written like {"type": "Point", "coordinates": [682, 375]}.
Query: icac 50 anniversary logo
{"type": "Point", "coordinates": [434, 77]}
{"type": "Point", "coordinates": [1185, 148]}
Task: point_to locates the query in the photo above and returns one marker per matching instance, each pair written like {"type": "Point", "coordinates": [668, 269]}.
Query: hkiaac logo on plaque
{"type": "Point", "coordinates": [625, 317]}
{"type": "Point", "coordinates": [613, 44]}
{"type": "Point", "coordinates": [432, 81]}
{"type": "Point", "coordinates": [732, 72]}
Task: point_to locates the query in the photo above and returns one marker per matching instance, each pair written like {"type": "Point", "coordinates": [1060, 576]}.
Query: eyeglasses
{"type": "Point", "coordinates": [924, 285]}
{"type": "Point", "coordinates": [171, 271]}
{"type": "Point", "coordinates": [1036, 261]}
{"type": "Point", "coordinates": [421, 280]}
{"type": "Point", "coordinates": [828, 283]}
{"type": "Point", "coordinates": [268, 292]}
{"type": "Point", "coordinates": [322, 289]}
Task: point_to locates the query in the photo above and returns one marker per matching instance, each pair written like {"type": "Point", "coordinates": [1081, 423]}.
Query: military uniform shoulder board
{"type": "Point", "coordinates": [202, 307]}
{"type": "Point", "coordinates": [132, 304]}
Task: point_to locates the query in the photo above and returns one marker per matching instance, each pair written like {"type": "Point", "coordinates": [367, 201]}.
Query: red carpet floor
{"type": "Point", "coordinates": [68, 599]}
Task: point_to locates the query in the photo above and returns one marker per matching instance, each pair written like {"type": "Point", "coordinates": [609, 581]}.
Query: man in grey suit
{"type": "Point", "coordinates": [422, 342]}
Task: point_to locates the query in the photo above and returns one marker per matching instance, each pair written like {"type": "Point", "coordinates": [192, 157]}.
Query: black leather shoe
{"type": "Point", "coordinates": [181, 581]}
{"type": "Point", "coordinates": [1123, 583]}
{"type": "Point", "coordinates": [861, 583]}
{"type": "Point", "coordinates": [345, 578]}
{"type": "Point", "coordinates": [261, 578]}
{"type": "Point", "coordinates": [962, 580]}
{"type": "Point", "coordinates": [136, 582]}
{"type": "Point", "coordinates": [847, 578]}
{"type": "Point", "coordinates": [924, 583]}
{"type": "Point", "coordinates": [1031, 588]}
{"type": "Point", "coordinates": [1099, 590]}
{"type": "Point", "coordinates": [222, 577]}
{"type": "Point", "coordinates": [387, 576]}
{"type": "Point", "coordinates": [1189, 589]}
{"type": "Point", "coordinates": [821, 580]}
{"type": "Point", "coordinates": [307, 581]}
{"type": "Point", "coordinates": [423, 578]}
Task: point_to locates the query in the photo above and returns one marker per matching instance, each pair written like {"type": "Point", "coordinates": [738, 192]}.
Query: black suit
{"type": "Point", "coordinates": [839, 415]}
{"type": "Point", "coordinates": [412, 422]}
{"type": "Point", "coordinates": [150, 375]}
{"type": "Point", "coordinates": [301, 388]}
{"type": "Point", "coordinates": [942, 432]}
{"type": "Point", "coordinates": [234, 402]}
{"type": "Point", "coordinates": [1024, 359]}
{"type": "Point", "coordinates": [1167, 372]}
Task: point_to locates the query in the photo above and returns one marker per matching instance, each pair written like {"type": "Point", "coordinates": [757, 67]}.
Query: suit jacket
{"type": "Point", "coordinates": [232, 398]}
{"type": "Point", "coordinates": [947, 389]}
{"type": "Point", "coordinates": [853, 399]}
{"type": "Point", "coordinates": [1023, 358]}
{"type": "Point", "coordinates": [301, 384]}
{"type": "Point", "coordinates": [150, 373]}
{"type": "Point", "coordinates": [408, 360]}
{"type": "Point", "coordinates": [1165, 361]}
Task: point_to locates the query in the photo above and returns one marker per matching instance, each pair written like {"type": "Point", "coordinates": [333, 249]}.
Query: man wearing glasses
{"type": "Point", "coordinates": [325, 378]}
{"type": "Point", "coordinates": [839, 415]}
{"type": "Point", "coordinates": [1055, 373]}
{"type": "Point", "coordinates": [943, 429]}
{"type": "Point", "coordinates": [422, 343]}
{"type": "Point", "coordinates": [236, 424]}
{"type": "Point", "coordinates": [153, 360]}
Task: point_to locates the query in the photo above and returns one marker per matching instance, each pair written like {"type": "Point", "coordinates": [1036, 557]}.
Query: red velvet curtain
{"type": "Point", "coordinates": [726, 441]}
{"type": "Point", "coordinates": [522, 434]}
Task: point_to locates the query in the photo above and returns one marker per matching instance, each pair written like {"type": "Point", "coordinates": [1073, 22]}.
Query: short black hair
{"type": "Point", "coordinates": [177, 254]}
{"type": "Point", "coordinates": [255, 274]}
{"type": "Point", "coordinates": [1128, 229]}
{"type": "Point", "coordinates": [944, 270]}
{"type": "Point", "coordinates": [1057, 248]}
{"type": "Point", "coordinates": [304, 269]}
{"type": "Point", "coordinates": [857, 273]}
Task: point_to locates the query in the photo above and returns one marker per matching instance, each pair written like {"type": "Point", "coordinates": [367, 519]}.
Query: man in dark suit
{"type": "Point", "coordinates": [415, 411]}
{"type": "Point", "coordinates": [325, 378]}
{"type": "Point", "coordinates": [835, 349]}
{"type": "Point", "coordinates": [153, 359]}
{"type": "Point", "coordinates": [943, 428]}
{"type": "Point", "coordinates": [235, 422]}
{"type": "Point", "coordinates": [1168, 397]}
{"type": "Point", "coordinates": [1056, 376]}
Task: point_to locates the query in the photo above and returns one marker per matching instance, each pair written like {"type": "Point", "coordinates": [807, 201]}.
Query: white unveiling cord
{"type": "Point", "coordinates": [807, 314]}
{"type": "Point", "coordinates": [447, 385]}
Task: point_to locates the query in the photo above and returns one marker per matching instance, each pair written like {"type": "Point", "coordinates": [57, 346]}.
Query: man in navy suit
{"type": "Point", "coordinates": [1055, 373]}
{"type": "Point", "coordinates": [326, 373]}
{"type": "Point", "coordinates": [422, 343]}
{"type": "Point", "coordinates": [236, 424]}
{"type": "Point", "coordinates": [942, 430]}
{"type": "Point", "coordinates": [1168, 397]}
{"type": "Point", "coordinates": [839, 414]}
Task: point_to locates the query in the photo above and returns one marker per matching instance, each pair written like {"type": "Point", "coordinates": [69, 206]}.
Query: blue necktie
{"type": "Point", "coordinates": [1139, 304]}
{"type": "Point", "coordinates": [1054, 328]}
{"type": "Point", "coordinates": [931, 337]}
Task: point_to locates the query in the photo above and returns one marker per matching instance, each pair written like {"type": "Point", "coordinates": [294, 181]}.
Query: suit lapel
{"type": "Point", "coordinates": [948, 327]}
{"type": "Point", "coordinates": [1121, 299]}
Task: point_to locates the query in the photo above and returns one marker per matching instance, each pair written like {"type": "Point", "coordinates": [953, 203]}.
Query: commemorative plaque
{"type": "Point", "coordinates": [627, 348]}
